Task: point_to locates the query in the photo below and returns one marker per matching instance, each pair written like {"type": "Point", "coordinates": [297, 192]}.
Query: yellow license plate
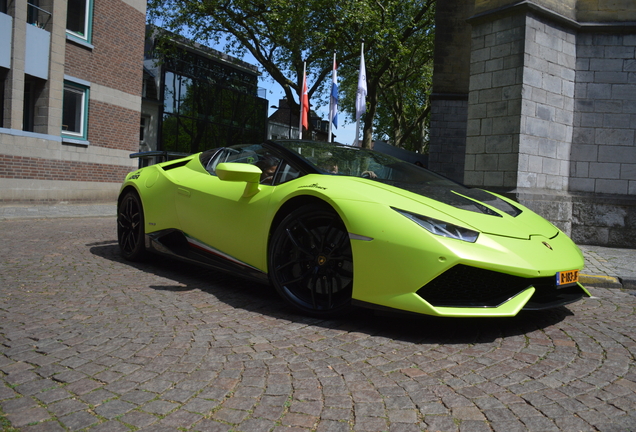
{"type": "Point", "coordinates": [567, 277]}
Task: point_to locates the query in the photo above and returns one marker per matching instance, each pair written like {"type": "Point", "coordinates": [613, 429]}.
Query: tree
{"type": "Point", "coordinates": [281, 35]}
{"type": "Point", "coordinates": [399, 73]}
{"type": "Point", "coordinates": [403, 109]}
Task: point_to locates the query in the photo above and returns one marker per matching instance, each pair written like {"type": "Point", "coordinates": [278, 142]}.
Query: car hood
{"type": "Point", "coordinates": [478, 209]}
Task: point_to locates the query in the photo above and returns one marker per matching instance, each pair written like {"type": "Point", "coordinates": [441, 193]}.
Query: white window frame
{"type": "Point", "coordinates": [88, 25]}
{"type": "Point", "coordinates": [83, 90]}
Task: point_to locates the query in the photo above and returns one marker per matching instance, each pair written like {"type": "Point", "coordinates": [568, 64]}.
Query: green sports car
{"type": "Point", "coordinates": [331, 226]}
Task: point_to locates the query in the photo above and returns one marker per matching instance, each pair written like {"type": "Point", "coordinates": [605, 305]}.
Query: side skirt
{"type": "Point", "coordinates": [176, 244]}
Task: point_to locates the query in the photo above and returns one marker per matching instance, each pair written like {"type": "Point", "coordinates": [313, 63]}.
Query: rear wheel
{"type": "Point", "coordinates": [310, 261]}
{"type": "Point", "coordinates": [130, 227]}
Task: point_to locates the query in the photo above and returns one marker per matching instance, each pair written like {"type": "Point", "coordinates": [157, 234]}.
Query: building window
{"type": "Point", "coordinates": [28, 108]}
{"type": "Point", "coordinates": [78, 19]}
{"type": "Point", "coordinates": [75, 111]}
{"type": "Point", "coordinates": [142, 129]}
{"type": "Point", "coordinates": [3, 6]}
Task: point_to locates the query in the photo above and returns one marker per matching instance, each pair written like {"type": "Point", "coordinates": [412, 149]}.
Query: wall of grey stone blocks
{"type": "Point", "coordinates": [604, 143]}
{"type": "Point", "coordinates": [447, 146]}
{"type": "Point", "coordinates": [521, 104]}
{"type": "Point", "coordinates": [494, 103]}
{"type": "Point", "coordinates": [548, 104]}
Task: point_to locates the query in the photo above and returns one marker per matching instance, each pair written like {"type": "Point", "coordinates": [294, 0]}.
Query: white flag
{"type": "Point", "coordinates": [361, 95]}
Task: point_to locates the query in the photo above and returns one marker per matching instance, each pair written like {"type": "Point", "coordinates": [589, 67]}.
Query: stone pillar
{"type": "Point", "coordinates": [54, 88]}
{"type": "Point", "coordinates": [14, 84]}
{"type": "Point", "coordinates": [520, 115]}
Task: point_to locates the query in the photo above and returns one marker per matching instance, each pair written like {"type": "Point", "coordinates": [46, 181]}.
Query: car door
{"type": "Point", "coordinates": [217, 213]}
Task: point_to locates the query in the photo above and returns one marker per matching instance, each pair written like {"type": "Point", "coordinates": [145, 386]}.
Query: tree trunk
{"type": "Point", "coordinates": [367, 131]}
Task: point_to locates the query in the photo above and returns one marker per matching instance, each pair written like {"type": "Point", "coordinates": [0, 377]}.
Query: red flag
{"type": "Point", "coordinates": [305, 104]}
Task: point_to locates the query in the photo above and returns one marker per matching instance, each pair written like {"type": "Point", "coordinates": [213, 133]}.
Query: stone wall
{"type": "Point", "coordinates": [551, 113]}
{"type": "Point", "coordinates": [447, 148]}
{"type": "Point", "coordinates": [604, 145]}
{"type": "Point", "coordinates": [449, 103]}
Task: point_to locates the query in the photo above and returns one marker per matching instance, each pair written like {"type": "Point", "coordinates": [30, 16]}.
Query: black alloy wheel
{"type": "Point", "coordinates": [130, 227]}
{"type": "Point", "coordinates": [311, 263]}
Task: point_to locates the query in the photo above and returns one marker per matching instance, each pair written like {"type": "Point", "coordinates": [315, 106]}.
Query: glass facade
{"type": "Point", "coordinates": [208, 104]}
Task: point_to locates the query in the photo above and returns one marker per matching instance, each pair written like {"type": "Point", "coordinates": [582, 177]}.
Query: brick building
{"type": "Point", "coordinates": [537, 99]}
{"type": "Point", "coordinates": [70, 85]}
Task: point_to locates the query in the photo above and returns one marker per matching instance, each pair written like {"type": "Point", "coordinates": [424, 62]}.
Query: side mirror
{"type": "Point", "coordinates": [241, 172]}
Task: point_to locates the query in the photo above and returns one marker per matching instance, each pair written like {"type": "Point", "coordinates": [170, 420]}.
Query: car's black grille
{"type": "Point", "coordinates": [465, 286]}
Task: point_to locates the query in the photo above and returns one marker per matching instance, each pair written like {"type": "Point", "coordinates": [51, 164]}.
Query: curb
{"type": "Point", "coordinates": [600, 281]}
{"type": "Point", "coordinates": [629, 283]}
{"type": "Point", "coordinates": [60, 210]}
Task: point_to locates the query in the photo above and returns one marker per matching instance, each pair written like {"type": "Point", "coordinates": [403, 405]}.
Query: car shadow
{"type": "Point", "coordinates": [263, 299]}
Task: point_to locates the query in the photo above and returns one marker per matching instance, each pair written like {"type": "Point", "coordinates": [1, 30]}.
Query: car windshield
{"type": "Point", "coordinates": [353, 161]}
{"type": "Point", "coordinates": [344, 160]}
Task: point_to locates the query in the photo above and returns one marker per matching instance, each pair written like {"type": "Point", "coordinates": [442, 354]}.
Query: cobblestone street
{"type": "Point", "coordinates": [91, 342]}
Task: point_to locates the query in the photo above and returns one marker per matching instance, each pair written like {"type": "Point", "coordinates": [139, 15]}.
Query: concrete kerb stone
{"type": "Point", "coordinates": [60, 209]}
{"type": "Point", "coordinates": [628, 283]}
{"type": "Point", "coordinates": [600, 281]}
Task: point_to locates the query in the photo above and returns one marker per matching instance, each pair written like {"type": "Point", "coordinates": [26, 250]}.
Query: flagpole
{"type": "Point", "coordinates": [360, 96]}
{"type": "Point", "coordinates": [301, 99]}
{"type": "Point", "coordinates": [329, 137]}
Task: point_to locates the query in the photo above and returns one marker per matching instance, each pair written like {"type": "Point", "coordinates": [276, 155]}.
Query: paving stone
{"type": "Point", "coordinates": [114, 408]}
{"type": "Point", "coordinates": [178, 395]}
{"type": "Point", "coordinates": [156, 385]}
{"type": "Point", "coordinates": [66, 406]}
{"type": "Point", "coordinates": [69, 376]}
{"type": "Point", "coordinates": [83, 386]}
{"type": "Point", "coordinates": [47, 426]}
{"type": "Point", "coordinates": [159, 407]}
{"type": "Point", "coordinates": [162, 345]}
{"type": "Point", "coordinates": [7, 393]}
{"type": "Point", "coordinates": [30, 415]}
{"type": "Point", "coordinates": [256, 425]}
{"type": "Point", "coordinates": [97, 397]}
{"type": "Point", "coordinates": [110, 426]}
{"type": "Point", "coordinates": [208, 425]}
{"type": "Point", "coordinates": [139, 419]}
{"type": "Point", "coordinates": [18, 404]}
{"type": "Point", "coordinates": [180, 419]}
{"type": "Point", "coordinates": [78, 420]}
{"type": "Point", "coordinates": [21, 377]}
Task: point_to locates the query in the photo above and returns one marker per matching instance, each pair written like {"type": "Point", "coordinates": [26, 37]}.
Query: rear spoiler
{"type": "Point", "coordinates": [157, 156]}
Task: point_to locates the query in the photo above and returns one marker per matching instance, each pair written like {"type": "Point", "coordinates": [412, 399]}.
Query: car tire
{"type": "Point", "coordinates": [130, 227]}
{"type": "Point", "coordinates": [311, 262]}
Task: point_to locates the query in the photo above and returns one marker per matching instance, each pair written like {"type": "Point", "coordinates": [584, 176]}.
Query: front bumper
{"type": "Point", "coordinates": [414, 271]}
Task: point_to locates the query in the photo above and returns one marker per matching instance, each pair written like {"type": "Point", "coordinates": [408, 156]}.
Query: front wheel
{"type": "Point", "coordinates": [310, 261]}
{"type": "Point", "coordinates": [130, 227]}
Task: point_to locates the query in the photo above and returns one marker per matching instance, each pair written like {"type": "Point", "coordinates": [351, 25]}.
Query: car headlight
{"type": "Point", "coordinates": [441, 228]}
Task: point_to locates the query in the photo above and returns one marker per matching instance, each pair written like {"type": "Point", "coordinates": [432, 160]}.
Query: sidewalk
{"type": "Point", "coordinates": [604, 266]}
{"type": "Point", "coordinates": [61, 209]}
